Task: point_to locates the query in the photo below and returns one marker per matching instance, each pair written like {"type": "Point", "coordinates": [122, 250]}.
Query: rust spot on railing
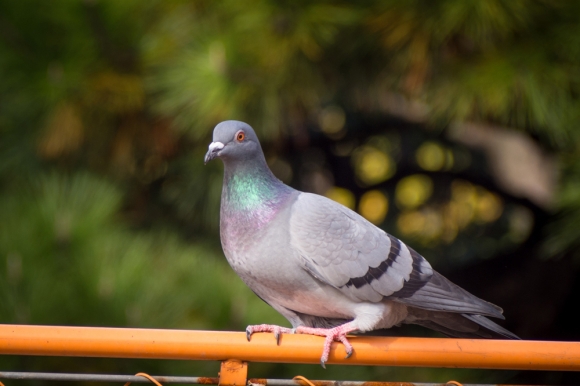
{"type": "Point", "coordinates": [208, 380]}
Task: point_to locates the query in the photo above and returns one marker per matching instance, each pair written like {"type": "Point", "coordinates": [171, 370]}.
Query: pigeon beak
{"type": "Point", "coordinates": [213, 151]}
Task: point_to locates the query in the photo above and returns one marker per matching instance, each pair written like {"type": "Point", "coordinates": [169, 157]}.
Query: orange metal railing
{"type": "Point", "coordinates": [213, 345]}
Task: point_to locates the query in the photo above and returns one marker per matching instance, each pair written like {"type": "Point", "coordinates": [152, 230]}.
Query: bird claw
{"type": "Point", "coordinates": [333, 334]}
{"type": "Point", "coordinates": [347, 346]}
{"type": "Point", "coordinates": [277, 330]}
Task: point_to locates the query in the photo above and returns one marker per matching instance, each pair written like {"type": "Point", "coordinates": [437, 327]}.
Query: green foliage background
{"type": "Point", "coordinates": [109, 217]}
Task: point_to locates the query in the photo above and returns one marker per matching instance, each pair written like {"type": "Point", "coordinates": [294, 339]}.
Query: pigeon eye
{"type": "Point", "coordinates": [240, 136]}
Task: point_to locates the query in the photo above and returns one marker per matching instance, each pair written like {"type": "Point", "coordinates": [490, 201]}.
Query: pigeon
{"type": "Point", "coordinates": [324, 267]}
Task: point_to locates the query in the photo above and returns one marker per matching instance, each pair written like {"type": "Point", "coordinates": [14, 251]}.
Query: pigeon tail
{"type": "Point", "coordinates": [458, 325]}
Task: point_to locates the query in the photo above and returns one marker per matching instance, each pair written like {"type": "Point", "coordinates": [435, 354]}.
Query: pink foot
{"type": "Point", "coordinates": [331, 334]}
{"type": "Point", "coordinates": [277, 330]}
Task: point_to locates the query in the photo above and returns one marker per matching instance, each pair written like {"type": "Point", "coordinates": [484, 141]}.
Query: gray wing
{"type": "Point", "coordinates": [342, 249]}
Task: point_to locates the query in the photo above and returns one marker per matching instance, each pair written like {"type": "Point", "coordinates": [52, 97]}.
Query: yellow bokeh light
{"type": "Point", "coordinates": [410, 223]}
{"type": "Point", "coordinates": [426, 224]}
{"type": "Point", "coordinates": [332, 120]}
{"type": "Point", "coordinates": [372, 166]}
{"type": "Point", "coordinates": [489, 206]}
{"type": "Point", "coordinates": [342, 196]}
{"type": "Point", "coordinates": [431, 156]}
{"type": "Point", "coordinates": [433, 225]}
{"type": "Point", "coordinates": [449, 159]}
{"type": "Point", "coordinates": [463, 191]}
{"type": "Point", "coordinates": [463, 203]}
{"type": "Point", "coordinates": [413, 191]}
{"type": "Point", "coordinates": [441, 223]}
{"type": "Point", "coordinates": [450, 227]}
{"type": "Point", "coordinates": [374, 206]}
{"type": "Point", "coordinates": [461, 212]}
{"type": "Point", "coordinates": [470, 202]}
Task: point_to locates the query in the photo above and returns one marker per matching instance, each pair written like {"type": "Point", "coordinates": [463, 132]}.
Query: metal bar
{"type": "Point", "coordinates": [105, 378]}
{"type": "Point", "coordinates": [291, 382]}
{"type": "Point", "coordinates": [214, 345]}
{"type": "Point", "coordinates": [202, 380]}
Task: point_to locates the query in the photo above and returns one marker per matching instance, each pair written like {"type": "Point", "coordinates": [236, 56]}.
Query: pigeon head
{"type": "Point", "coordinates": [234, 141]}
{"type": "Point", "coordinates": [251, 194]}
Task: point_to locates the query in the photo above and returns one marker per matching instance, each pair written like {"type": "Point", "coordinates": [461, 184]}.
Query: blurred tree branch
{"type": "Point", "coordinates": [121, 58]}
{"type": "Point", "coordinates": [12, 37]}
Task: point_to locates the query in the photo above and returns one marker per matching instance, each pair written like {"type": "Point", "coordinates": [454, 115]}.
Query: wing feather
{"type": "Point", "coordinates": [344, 250]}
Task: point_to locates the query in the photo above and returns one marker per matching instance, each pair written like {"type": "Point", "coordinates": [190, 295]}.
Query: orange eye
{"type": "Point", "coordinates": [240, 136]}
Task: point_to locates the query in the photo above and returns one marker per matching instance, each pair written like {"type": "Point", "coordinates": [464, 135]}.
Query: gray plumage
{"type": "Point", "coordinates": [322, 265]}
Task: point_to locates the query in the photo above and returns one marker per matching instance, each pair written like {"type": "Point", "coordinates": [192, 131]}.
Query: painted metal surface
{"type": "Point", "coordinates": [214, 345]}
{"type": "Point", "coordinates": [233, 372]}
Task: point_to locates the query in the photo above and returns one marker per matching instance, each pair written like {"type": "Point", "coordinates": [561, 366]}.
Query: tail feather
{"type": "Point", "coordinates": [459, 325]}
{"type": "Point", "coordinates": [491, 326]}
{"type": "Point", "coordinates": [440, 294]}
